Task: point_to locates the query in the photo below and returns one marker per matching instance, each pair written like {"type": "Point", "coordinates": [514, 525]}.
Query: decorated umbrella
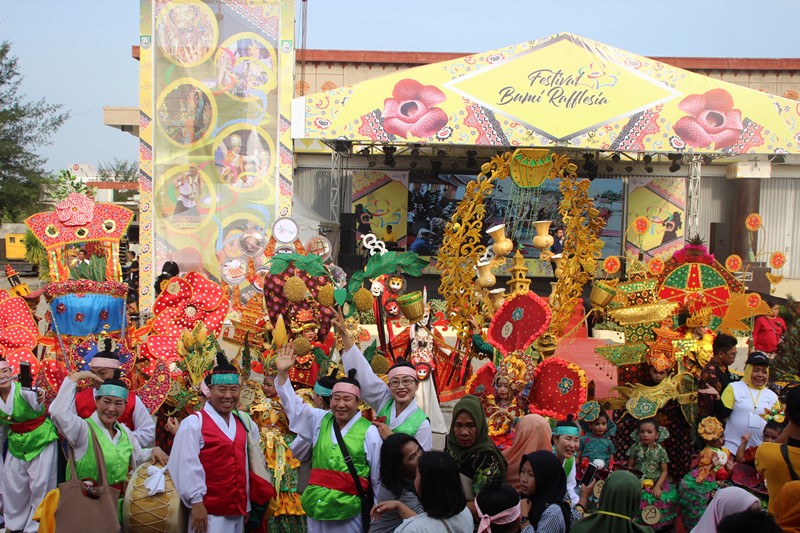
{"type": "Point", "coordinates": [518, 323]}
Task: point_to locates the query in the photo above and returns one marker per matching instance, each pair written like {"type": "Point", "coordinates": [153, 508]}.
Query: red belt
{"type": "Point", "coordinates": [333, 479]}
{"type": "Point", "coordinates": [27, 427]}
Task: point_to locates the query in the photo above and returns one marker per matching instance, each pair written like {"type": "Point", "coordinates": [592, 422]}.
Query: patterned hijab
{"type": "Point", "coordinates": [482, 445]}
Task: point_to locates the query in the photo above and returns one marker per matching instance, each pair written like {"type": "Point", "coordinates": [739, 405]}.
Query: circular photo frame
{"type": "Point", "coordinates": [246, 67]}
{"type": "Point", "coordinates": [319, 245]}
{"type": "Point", "coordinates": [186, 112]}
{"type": "Point", "coordinates": [187, 33]}
{"type": "Point", "coordinates": [185, 198]}
{"type": "Point", "coordinates": [244, 157]}
{"type": "Point", "coordinates": [252, 242]}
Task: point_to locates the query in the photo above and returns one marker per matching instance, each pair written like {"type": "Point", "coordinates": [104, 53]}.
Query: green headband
{"type": "Point", "coordinates": [570, 431]}
{"type": "Point", "coordinates": [322, 391]}
{"type": "Point", "coordinates": [113, 390]}
{"type": "Point", "coordinates": [225, 379]}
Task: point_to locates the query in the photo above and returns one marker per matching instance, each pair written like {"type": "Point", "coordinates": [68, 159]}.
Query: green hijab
{"type": "Point", "coordinates": [619, 502]}
{"type": "Point", "coordinates": [465, 457]}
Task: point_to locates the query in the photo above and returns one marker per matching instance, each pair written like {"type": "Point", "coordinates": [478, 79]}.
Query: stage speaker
{"type": "Point", "coordinates": [347, 234]}
{"type": "Point", "coordinates": [719, 240]}
{"type": "Point", "coordinates": [133, 234]}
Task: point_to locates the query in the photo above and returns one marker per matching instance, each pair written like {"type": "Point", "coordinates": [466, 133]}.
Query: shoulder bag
{"type": "Point", "coordinates": [80, 505]}
{"type": "Point", "coordinates": [365, 497]}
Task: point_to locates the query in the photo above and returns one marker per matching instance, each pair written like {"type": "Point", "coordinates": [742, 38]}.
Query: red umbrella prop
{"type": "Point", "coordinates": [518, 323]}
{"type": "Point", "coordinates": [559, 388]}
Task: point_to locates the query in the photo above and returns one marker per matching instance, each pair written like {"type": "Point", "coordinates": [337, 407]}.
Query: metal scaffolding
{"type": "Point", "coordinates": [693, 197]}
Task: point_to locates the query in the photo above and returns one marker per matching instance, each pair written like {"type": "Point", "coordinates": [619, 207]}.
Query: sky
{"type": "Point", "coordinates": [79, 53]}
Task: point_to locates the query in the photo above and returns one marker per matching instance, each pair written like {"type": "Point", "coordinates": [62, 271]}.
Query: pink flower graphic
{"type": "Point", "coordinates": [712, 120]}
{"type": "Point", "coordinates": [75, 210]}
{"type": "Point", "coordinates": [411, 110]}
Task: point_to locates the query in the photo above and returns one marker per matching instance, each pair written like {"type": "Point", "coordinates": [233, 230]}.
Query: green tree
{"type": "Point", "coordinates": [25, 126]}
{"type": "Point", "coordinates": [119, 170]}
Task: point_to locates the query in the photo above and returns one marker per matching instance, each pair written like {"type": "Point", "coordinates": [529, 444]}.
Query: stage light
{"type": "Point", "coordinates": [629, 169]}
{"type": "Point", "coordinates": [616, 158]}
{"type": "Point", "coordinates": [388, 156]}
{"type": "Point", "coordinates": [364, 151]}
{"type": "Point", "coordinates": [674, 167]}
{"type": "Point", "coordinates": [647, 159]}
{"type": "Point", "coordinates": [648, 169]}
{"type": "Point", "coordinates": [441, 154]}
{"type": "Point", "coordinates": [371, 162]}
{"type": "Point", "coordinates": [590, 163]}
{"type": "Point", "coordinates": [707, 159]}
{"type": "Point", "coordinates": [777, 159]}
{"type": "Point", "coordinates": [415, 151]}
{"type": "Point", "coordinates": [609, 169]}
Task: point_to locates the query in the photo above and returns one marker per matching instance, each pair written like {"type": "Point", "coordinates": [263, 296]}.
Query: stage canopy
{"type": "Point", "coordinates": [560, 91]}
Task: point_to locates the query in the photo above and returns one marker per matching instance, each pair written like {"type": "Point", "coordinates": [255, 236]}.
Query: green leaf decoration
{"type": "Point", "coordinates": [311, 264]}
{"type": "Point", "coordinates": [339, 296]}
{"type": "Point", "coordinates": [370, 351]}
{"type": "Point", "coordinates": [247, 360]}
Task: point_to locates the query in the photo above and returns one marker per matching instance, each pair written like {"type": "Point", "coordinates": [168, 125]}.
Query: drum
{"type": "Point", "coordinates": [162, 513]}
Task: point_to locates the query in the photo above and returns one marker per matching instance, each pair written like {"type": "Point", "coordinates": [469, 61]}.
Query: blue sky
{"type": "Point", "coordinates": [79, 53]}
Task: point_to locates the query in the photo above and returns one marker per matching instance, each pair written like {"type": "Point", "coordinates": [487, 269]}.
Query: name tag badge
{"type": "Point", "coordinates": [755, 421]}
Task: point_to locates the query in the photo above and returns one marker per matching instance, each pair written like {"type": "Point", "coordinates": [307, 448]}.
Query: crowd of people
{"type": "Point", "coordinates": [356, 453]}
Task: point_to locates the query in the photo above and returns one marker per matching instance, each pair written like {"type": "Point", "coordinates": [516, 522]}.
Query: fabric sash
{"type": "Point", "coordinates": [27, 427]}
{"type": "Point", "coordinates": [332, 479]}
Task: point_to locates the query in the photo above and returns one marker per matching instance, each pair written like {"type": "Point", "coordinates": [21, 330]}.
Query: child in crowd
{"type": "Point", "coordinates": [747, 454]}
{"type": "Point", "coordinates": [544, 506]}
{"type": "Point", "coordinates": [714, 466]}
{"type": "Point", "coordinates": [598, 427]}
{"type": "Point", "coordinates": [650, 458]}
{"type": "Point", "coordinates": [498, 508]}
{"type": "Point", "coordinates": [566, 441]}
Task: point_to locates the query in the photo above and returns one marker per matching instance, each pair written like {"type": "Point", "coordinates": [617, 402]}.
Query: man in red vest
{"type": "Point", "coordinates": [209, 462]}
{"type": "Point", "coordinates": [136, 417]}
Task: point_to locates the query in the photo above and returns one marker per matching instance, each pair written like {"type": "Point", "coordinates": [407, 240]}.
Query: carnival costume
{"type": "Point", "coordinates": [287, 514]}
{"type": "Point", "coordinates": [648, 460]}
{"type": "Point", "coordinates": [698, 486]}
{"type": "Point", "coordinates": [595, 447]}
{"type": "Point", "coordinates": [29, 471]}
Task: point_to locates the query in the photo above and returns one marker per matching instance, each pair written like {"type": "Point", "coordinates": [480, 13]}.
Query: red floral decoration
{"type": "Point", "coordinates": [711, 120]}
{"type": "Point", "coordinates": [61, 308]}
{"type": "Point", "coordinates": [103, 314]}
{"type": "Point", "coordinates": [753, 222]}
{"type": "Point", "coordinates": [411, 110]}
{"type": "Point", "coordinates": [733, 263]}
{"type": "Point", "coordinates": [641, 225]}
{"type": "Point", "coordinates": [189, 300]}
{"type": "Point", "coordinates": [79, 317]}
{"type": "Point", "coordinates": [75, 210]}
{"type": "Point", "coordinates": [18, 332]}
{"type": "Point", "coordinates": [612, 264]}
{"type": "Point", "coordinates": [753, 300]}
{"type": "Point", "coordinates": [777, 260]}
{"type": "Point", "coordinates": [655, 266]}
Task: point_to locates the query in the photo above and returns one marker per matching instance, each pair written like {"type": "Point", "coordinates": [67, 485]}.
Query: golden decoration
{"type": "Point", "coordinates": [738, 311]}
{"type": "Point", "coordinates": [642, 314]}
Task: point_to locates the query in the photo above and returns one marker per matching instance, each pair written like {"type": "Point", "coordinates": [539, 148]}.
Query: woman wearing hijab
{"type": "Point", "coordinates": [746, 400]}
{"type": "Point", "coordinates": [787, 507]}
{"type": "Point", "coordinates": [544, 489]}
{"type": "Point", "coordinates": [728, 501]}
{"type": "Point", "coordinates": [469, 444]}
{"type": "Point", "coordinates": [531, 435]}
{"type": "Point", "coordinates": [619, 505]}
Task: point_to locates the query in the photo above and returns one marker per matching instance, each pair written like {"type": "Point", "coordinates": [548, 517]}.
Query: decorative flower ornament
{"type": "Point", "coordinates": [187, 301]}
{"type": "Point", "coordinates": [655, 266]}
{"type": "Point", "coordinates": [753, 222]}
{"type": "Point", "coordinates": [75, 210]}
{"type": "Point", "coordinates": [777, 260]}
{"type": "Point", "coordinates": [640, 225]}
{"type": "Point", "coordinates": [733, 263]}
{"type": "Point", "coordinates": [612, 264]}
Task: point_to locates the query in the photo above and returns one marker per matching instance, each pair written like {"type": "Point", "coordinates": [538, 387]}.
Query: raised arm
{"type": "Point", "coordinates": [304, 420]}
{"type": "Point", "coordinates": [65, 417]}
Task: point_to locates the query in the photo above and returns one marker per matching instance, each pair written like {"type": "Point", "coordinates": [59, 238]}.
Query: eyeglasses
{"type": "Point", "coordinates": [407, 382]}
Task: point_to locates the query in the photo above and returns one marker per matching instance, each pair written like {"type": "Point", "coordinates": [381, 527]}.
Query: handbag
{"type": "Point", "coordinates": [80, 506]}
{"type": "Point", "coordinates": [365, 497]}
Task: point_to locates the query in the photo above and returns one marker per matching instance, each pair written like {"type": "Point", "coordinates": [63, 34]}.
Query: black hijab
{"type": "Point", "coordinates": [551, 486]}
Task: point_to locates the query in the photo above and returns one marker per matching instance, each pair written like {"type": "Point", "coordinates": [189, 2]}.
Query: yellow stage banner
{"type": "Point", "coordinates": [562, 90]}
{"type": "Point", "coordinates": [380, 203]}
{"type": "Point", "coordinates": [662, 202]}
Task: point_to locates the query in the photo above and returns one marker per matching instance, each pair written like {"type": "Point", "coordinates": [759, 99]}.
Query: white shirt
{"type": "Point", "coordinates": [746, 415]}
{"type": "Point", "coordinates": [184, 464]}
{"type": "Point", "coordinates": [306, 421]}
{"type": "Point", "coordinates": [145, 431]}
{"type": "Point", "coordinates": [76, 430]}
{"type": "Point", "coordinates": [376, 394]}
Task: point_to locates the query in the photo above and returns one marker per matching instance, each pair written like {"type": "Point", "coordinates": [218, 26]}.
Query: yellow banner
{"type": "Point", "coordinates": [557, 91]}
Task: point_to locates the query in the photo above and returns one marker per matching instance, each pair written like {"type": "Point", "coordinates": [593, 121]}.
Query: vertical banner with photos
{"type": "Point", "coordinates": [216, 157]}
{"type": "Point", "coordinates": [380, 203]}
{"type": "Point", "coordinates": [662, 200]}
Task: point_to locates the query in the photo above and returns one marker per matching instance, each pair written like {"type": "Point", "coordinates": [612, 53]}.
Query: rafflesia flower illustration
{"type": "Point", "coordinates": [411, 110]}
{"type": "Point", "coordinates": [712, 120]}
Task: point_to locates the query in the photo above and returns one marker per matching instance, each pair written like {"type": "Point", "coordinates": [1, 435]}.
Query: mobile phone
{"type": "Point", "coordinates": [25, 377]}
{"type": "Point", "coordinates": [588, 474]}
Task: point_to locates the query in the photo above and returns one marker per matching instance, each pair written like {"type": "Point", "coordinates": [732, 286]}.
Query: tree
{"type": "Point", "coordinates": [119, 170]}
{"type": "Point", "coordinates": [25, 126]}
